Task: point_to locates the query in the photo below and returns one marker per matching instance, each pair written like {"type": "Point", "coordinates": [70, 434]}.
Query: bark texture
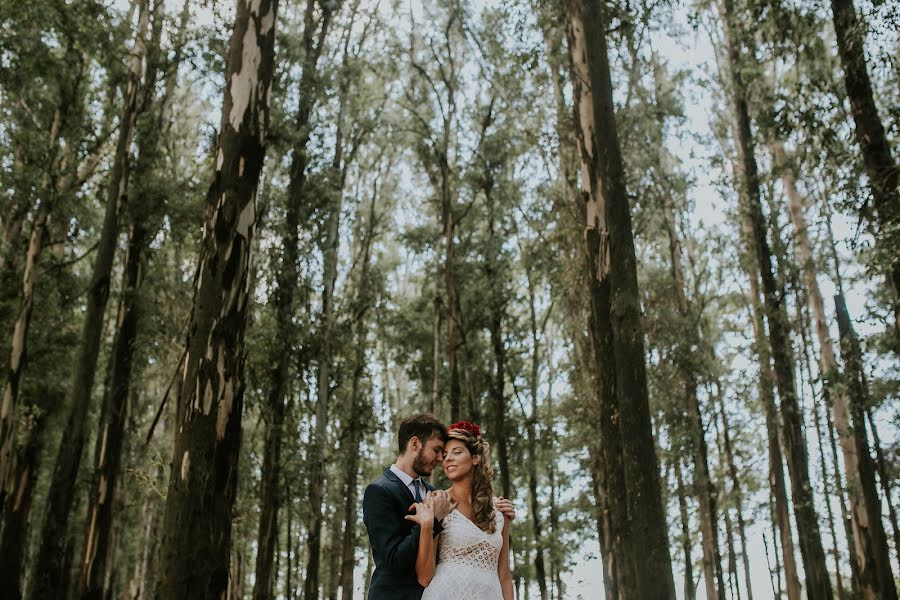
{"type": "Point", "coordinates": [875, 576]}
{"type": "Point", "coordinates": [610, 241]}
{"type": "Point", "coordinates": [196, 549]}
{"type": "Point", "coordinates": [882, 169]}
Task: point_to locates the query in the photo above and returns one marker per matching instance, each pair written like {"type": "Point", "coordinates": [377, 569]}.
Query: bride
{"type": "Point", "coordinates": [472, 550]}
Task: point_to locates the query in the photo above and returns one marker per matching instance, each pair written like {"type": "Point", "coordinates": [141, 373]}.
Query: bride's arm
{"type": "Point", "coordinates": [506, 582]}
{"type": "Point", "coordinates": [427, 552]}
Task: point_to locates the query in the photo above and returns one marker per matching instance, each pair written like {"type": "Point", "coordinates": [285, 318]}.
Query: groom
{"type": "Point", "coordinates": [387, 500]}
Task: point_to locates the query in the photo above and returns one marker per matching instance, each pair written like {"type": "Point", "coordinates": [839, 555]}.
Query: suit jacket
{"type": "Point", "coordinates": [393, 539]}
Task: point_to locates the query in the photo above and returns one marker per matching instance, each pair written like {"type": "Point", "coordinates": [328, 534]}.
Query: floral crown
{"type": "Point", "coordinates": [466, 426]}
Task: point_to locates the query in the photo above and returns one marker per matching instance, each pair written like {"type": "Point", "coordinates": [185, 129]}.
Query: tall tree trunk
{"type": "Point", "coordinates": [689, 592]}
{"type": "Point", "coordinates": [587, 24]}
{"type": "Point", "coordinates": [111, 435]}
{"type": "Point", "coordinates": [287, 282]}
{"type": "Point", "coordinates": [829, 513]}
{"type": "Point", "coordinates": [196, 550]}
{"type": "Point", "coordinates": [435, 350]}
{"type": "Point", "coordinates": [532, 442]}
{"type": "Point", "coordinates": [454, 312]}
{"type": "Point", "coordinates": [317, 450]}
{"type": "Point", "coordinates": [363, 303]}
{"type": "Point", "coordinates": [776, 465]}
{"type": "Point", "coordinates": [49, 569]}
{"type": "Point", "coordinates": [496, 275]}
{"type": "Point", "coordinates": [841, 493]}
{"type": "Point", "coordinates": [885, 480]}
{"type": "Point", "coordinates": [872, 559]}
{"type": "Point", "coordinates": [618, 527]}
{"type": "Point", "coordinates": [881, 168]}
{"type": "Point", "coordinates": [114, 412]}
{"type": "Point", "coordinates": [875, 575]}
{"type": "Point", "coordinates": [703, 486]}
{"type": "Point", "coordinates": [18, 459]}
{"type": "Point", "coordinates": [735, 490]}
{"type": "Point", "coordinates": [811, 550]}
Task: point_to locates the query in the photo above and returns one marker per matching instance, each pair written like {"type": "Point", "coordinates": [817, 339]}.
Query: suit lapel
{"type": "Point", "coordinates": [399, 485]}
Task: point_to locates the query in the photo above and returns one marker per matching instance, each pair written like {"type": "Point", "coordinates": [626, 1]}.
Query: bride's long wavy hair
{"type": "Point", "coordinates": [482, 475]}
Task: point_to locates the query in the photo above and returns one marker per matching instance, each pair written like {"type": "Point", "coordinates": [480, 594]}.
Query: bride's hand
{"type": "Point", "coordinates": [424, 513]}
{"type": "Point", "coordinates": [506, 507]}
{"type": "Point", "coordinates": [441, 503]}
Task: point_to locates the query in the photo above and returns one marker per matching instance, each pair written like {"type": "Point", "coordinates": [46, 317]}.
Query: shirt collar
{"type": "Point", "coordinates": [404, 477]}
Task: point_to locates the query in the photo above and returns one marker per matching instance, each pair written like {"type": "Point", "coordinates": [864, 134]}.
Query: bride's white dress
{"type": "Point", "coordinates": [467, 561]}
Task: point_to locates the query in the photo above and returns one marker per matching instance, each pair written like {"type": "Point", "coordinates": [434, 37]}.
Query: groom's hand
{"type": "Point", "coordinates": [441, 503]}
{"type": "Point", "coordinates": [506, 507]}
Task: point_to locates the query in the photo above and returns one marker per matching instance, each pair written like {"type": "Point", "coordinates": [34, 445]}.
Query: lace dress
{"type": "Point", "coordinates": [467, 561]}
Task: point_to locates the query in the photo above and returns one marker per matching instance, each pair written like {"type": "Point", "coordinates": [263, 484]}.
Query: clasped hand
{"type": "Point", "coordinates": [424, 512]}
{"type": "Point", "coordinates": [436, 505]}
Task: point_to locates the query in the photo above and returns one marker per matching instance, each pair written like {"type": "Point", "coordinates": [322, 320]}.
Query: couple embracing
{"type": "Point", "coordinates": [438, 544]}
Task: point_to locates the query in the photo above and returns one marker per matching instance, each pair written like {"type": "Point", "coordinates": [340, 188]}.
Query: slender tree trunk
{"type": "Point", "coordinates": [811, 550]}
{"type": "Point", "coordinates": [532, 442]}
{"type": "Point", "coordinates": [881, 168]}
{"type": "Point", "coordinates": [111, 436]}
{"type": "Point", "coordinates": [875, 575]}
{"type": "Point", "coordinates": [317, 450]}
{"type": "Point", "coordinates": [289, 576]}
{"type": "Point", "coordinates": [495, 274]}
{"type": "Point", "coordinates": [49, 573]}
{"type": "Point", "coordinates": [18, 460]}
{"type": "Point", "coordinates": [18, 356]}
{"type": "Point", "coordinates": [689, 592]}
{"type": "Point", "coordinates": [436, 351]}
{"type": "Point", "coordinates": [203, 483]}
{"type": "Point", "coordinates": [841, 493]}
{"type": "Point", "coordinates": [453, 307]}
{"type": "Point", "coordinates": [287, 281]}
{"type": "Point", "coordinates": [828, 510]}
{"type": "Point", "coordinates": [110, 441]}
{"type": "Point", "coordinates": [885, 480]}
{"type": "Point", "coordinates": [781, 521]}
{"type": "Point", "coordinates": [363, 304]}
{"type": "Point", "coordinates": [703, 486]}
{"type": "Point", "coordinates": [735, 490]}
{"type": "Point", "coordinates": [774, 573]}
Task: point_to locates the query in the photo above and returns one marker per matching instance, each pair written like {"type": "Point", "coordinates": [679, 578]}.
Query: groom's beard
{"type": "Point", "coordinates": [421, 467]}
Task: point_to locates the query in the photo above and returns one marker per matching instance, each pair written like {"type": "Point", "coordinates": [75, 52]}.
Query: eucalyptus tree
{"type": "Point", "coordinates": [616, 312]}
{"type": "Point", "coordinates": [145, 219]}
{"type": "Point", "coordinates": [194, 558]}
{"type": "Point", "coordinates": [49, 577]}
{"type": "Point", "coordinates": [316, 26]}
{"type": "Point", "coordinates": [812, 552]}
{"type": "Point", "coordinates": [881, 166]}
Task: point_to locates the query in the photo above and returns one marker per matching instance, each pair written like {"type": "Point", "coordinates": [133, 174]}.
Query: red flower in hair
{"type": "Point", "coordinates": [466, 426]}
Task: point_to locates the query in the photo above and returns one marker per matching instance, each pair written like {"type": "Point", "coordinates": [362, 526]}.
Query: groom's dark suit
{"type": "Point", "coordinates": [394, 540]}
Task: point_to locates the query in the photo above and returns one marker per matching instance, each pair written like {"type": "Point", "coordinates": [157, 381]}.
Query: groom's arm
{"type": "Point", "coordinates": [386, 531]}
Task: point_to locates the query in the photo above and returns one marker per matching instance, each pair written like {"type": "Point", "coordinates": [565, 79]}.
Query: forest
{"type": "Point", "coordinates": [652, 247]}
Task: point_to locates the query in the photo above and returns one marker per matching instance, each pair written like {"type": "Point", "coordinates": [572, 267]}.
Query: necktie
{"type": "Point", "coordinates": [418, 494]}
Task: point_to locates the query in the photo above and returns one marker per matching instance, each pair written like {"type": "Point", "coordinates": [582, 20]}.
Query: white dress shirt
{"type": "Point", "coordinates": [408, 481]}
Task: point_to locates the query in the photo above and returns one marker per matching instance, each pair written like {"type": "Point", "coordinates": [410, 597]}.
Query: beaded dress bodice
{"type": "Point", "coordinates": [467, 561]}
